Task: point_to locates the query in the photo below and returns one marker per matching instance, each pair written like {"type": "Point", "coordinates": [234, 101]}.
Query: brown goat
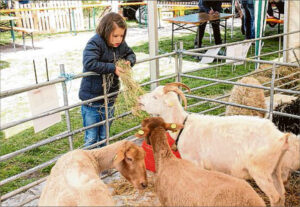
{"type": "Point", "coordinates": [181, 183]}
{"type": "Point", "coordinates": [75, 181]}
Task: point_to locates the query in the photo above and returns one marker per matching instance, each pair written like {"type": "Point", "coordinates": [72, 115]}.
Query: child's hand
{"type": "Point", "coordinates": [118, 71]}
{"type": "Point", "coordinates": [127, 62]}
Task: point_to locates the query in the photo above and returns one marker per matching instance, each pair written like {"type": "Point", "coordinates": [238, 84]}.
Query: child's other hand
{"type": "Point", "coordinates": [118, 71]}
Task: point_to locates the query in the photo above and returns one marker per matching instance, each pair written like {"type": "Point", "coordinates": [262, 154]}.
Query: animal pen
{"type": "Point", "coordinates": [202, 104]}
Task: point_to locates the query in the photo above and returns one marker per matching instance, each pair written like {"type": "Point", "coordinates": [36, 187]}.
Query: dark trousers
{"type": "Point", "coordinates": [216, 30]}
{"type": "Point", "coordinates": [249, 20]}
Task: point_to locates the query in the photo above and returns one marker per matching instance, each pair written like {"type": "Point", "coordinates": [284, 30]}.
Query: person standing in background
{"type": "Point", "coordinates": [248, 7]}
{"type": "Point", "coordinates": [278, 4]}
{"type": "Point", "coordinates": [212, 8]}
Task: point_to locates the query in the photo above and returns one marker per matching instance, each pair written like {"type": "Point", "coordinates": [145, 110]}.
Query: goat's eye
{"type": "Point", "coordinates": [154, 97]}
{"type": "Point", "coordinates": [129, 159]}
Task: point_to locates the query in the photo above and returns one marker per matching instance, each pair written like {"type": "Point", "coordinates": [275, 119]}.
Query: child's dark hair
{"type": "Point", "coordinates": [108, 24]}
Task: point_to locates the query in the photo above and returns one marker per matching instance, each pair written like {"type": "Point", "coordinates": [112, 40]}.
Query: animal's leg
{"type": "Point", "coordinates": [265, 183]}
{"type": "Point", "coordinates": [277, 179]}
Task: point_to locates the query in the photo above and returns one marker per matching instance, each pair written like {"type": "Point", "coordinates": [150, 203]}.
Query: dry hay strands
{"type": "Point", "coordinates": [293, 190]}
{"type": "Point", "coordinates": [129, 196]}
{"type": "Point", "coordinates": [123, 187]}
{"type": "Point", "coordinates": [131, 90]}
{"type": "Point", "coordinates": [281, 72]}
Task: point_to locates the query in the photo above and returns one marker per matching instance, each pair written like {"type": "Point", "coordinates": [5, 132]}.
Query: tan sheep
{"type": "Point", "coordinates": [75, 181]}
{"type": "Point", "coordinates": [182, 183]}
{"type": "Point", "coordinates": [247, 96]}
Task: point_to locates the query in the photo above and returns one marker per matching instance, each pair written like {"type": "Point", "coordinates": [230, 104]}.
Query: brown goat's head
{"type": "Point", "coordinates": [163, 98]}
{"type": "Point", "coordinates": [149, 124]}
{"type": "Point", "coordinates": [129, 161]}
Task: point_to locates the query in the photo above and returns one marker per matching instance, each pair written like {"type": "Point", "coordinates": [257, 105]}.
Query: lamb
{"type": "Point", "coordinates": [75, 181]}
{"type": "Point", "coordinates": [247, 96]}
{"type": "Point", "coordinates": [181, 183]}
{"type": "Point", "coordinates": [242, 146]}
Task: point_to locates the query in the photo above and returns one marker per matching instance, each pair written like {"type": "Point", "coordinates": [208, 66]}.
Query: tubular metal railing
{"type": "Point", "coordinates": [178, 75]}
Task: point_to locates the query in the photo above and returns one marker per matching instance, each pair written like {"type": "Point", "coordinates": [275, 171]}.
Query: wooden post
{"type": "Point", "coordinates": [153, 41]}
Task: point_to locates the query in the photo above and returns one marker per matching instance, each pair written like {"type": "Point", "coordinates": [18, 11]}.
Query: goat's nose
{"type": "Point", "coordinates": [144, 185]}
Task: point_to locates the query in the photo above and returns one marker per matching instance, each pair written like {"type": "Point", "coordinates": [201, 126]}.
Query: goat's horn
{"type": "Point", "coordinates": [178, 91]}
{"type": "Point", "coordinates": [177, 84]}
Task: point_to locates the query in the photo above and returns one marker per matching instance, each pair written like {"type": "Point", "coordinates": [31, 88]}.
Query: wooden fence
{"type": "Point", "coordinates": [51, 16]}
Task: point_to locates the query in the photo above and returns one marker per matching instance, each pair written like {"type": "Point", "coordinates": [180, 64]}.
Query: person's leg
{"type": "Point", "coordinates": [217, 33]}
{"type": "Point", "coordinates": [270, 10]}
{"type": "Point", "coordinates": [201, 30]}
{"type": "Point", "coordinates": [102, 131]}
{"type": "Point", "coordinates": [247, 24]}
{"type": "Point", "coordinates": [252, 18]}
{"type": "Point", "coordinates": [243, 26]}
{"type": "Point", "coordinates": [90, 115]}
{"type": "Point", "coordinates": [280, 6]}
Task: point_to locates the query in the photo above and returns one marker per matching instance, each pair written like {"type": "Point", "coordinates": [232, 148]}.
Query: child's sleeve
{"type": "Point", "coordinates": [91, 56]}
{"type": "Point", "coordinates": [130, 55]}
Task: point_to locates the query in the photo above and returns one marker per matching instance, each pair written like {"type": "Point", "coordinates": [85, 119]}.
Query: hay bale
{"type": "Point", "coordinates": [128, 98]}
{"type": "Point", "coordinates": [281, 72]}
{"type": "Point", "coordinates": [246, 96]}
{"type": "Point", "coordinates": [288, 124]}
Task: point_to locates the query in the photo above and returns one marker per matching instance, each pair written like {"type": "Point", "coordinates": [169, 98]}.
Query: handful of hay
{"type": "Point", "coordinates": [131, 90]}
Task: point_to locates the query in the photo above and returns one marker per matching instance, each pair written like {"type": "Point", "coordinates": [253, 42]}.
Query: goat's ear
{"type": "Point", "coordinates": [142, 133]}
{"type": "Point", "coordinates": [173, 127]}
{"type": "Point", "coordinates": [145, 122]}
{"type": "Point", "coordinates": [119, 156]}
{"type": "Point", "coordinates": [130, 154]}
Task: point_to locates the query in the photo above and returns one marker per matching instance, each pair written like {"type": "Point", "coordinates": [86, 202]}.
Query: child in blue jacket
{"type": "Point", "coordinates": [100, 55]}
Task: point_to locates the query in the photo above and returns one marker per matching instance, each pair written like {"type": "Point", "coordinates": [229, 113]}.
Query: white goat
{"type": "Point", "coordinates": [179, 182]}
{"type": "Point", "coordinates": [242, 146]}
{"type": "Point", "coordinates": [75, 181]}
{"type": "Point", "coordinates": [291, 159]}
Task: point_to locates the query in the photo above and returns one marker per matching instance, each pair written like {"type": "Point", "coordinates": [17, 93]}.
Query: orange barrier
{"type": "Point", "coordinates": [278, 21]}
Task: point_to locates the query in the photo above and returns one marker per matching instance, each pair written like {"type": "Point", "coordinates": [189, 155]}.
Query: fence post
{"type": "Point", "coordinates": [106, 109]}
{"type": "Point", "coordinates": [176, 62]}
{"type": "Point", "coordinates": [272, 92]}
{"type": "Point", "coordinates": [180, 60]}
{"type": "Point", "coordinates": [66, 103]}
